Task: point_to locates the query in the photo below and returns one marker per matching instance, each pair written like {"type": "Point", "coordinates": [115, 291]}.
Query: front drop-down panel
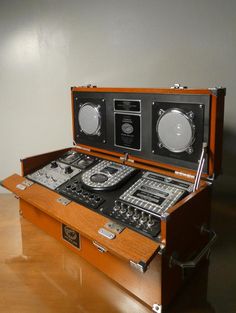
{"type": "Point", "coordinates": [127, 245]}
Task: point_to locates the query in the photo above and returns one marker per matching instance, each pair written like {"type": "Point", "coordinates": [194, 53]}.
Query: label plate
{"type": "Point", "coordinates": [71, 236]}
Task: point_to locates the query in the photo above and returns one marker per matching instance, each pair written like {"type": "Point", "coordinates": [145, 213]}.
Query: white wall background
{"type": "Point", "coordinates": [47, 46]}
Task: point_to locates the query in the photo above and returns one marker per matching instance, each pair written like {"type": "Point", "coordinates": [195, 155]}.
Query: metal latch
{"type": "Point", "coordinates": [99, 247]}
{"type": "Point", "coordinates": [63, 201]}
{"type": "Point", "coordinates": [140, 266]}
{"type": "Point", "coordinates": [25, 184]}
{"type": "Point", "coordinates": [106, 233]}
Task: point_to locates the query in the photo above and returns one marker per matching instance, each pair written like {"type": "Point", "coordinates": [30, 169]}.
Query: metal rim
{"type": "Point", "coordinates": [191, 124]}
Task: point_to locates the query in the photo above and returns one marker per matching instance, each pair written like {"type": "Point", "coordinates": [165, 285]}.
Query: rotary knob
{"type": "Point", "coordinates": [68, 170]}
{"type": "Point", "coordinates": [54, 164]}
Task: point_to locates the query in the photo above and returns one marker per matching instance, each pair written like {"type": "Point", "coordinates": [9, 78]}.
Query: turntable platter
{"type": "Point", "coordinates": [107, 175]}
{"type": "Point", "coordinates": [99, 178]}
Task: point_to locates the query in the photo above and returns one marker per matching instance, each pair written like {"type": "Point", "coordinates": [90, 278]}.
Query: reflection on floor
{"type": "Point", "coordinates": [38, 274]}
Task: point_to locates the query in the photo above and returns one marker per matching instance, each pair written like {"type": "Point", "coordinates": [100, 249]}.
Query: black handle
{"type": "Point", "coordinates": [194, 262]}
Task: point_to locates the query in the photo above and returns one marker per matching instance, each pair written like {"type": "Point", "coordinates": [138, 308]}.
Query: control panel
{"type": "Point", "coordinates": [131, 197]}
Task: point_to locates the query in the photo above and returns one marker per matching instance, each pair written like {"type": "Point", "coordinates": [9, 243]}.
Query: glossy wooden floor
{"type": "Point", "coordinates": [39, 275]}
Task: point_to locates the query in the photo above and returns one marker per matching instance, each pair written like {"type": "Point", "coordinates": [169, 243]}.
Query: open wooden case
{"type": "Point", "coordinates": [147, 146]}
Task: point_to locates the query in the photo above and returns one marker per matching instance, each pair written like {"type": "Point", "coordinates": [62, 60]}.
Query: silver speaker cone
{"type": "Point", "coordinates": [89, 119]}
{"type": "Point", "coordinates": [175, 130]}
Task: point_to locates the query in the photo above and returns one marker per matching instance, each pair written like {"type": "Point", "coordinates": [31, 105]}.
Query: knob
{"type": "Point", "coordinates": [143, 218]}
{"type": "Point", "coordinates": [68, 170]}
{"type": "Point", "coordinates": [150, 222]}
{"type": "Point", "coordinates": [136, 215]}
{"type": "Point", "coordinates": [129, 212]}
{"type": "Point", "coordinates": [54, 164]}
{"type": "Point", "coordinates": [123, 208]}
{"type": "Point", "coordinates": [117, 206]}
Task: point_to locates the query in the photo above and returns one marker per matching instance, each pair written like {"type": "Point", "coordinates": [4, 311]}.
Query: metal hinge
{"type": "Point", "coordinates": [178, 86]}
{"type": "Point", "coordinates": [157, 308]}
{"type": "Point", "coordinates": [184, 174]}
{"type": "Point", "coordinates": [140, 266]}
{"type": "Point", "coordinates": [63, 201]}
{"type": "Point", "coordinates": [161, 249]}
{"type": "Point", "coordinates": [124, 158]}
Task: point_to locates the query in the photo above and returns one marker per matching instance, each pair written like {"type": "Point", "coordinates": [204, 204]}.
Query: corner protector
{"type": "Point", "coordinates": [157, 308]}
{"type": "Point", "coordinates": [218, 91]}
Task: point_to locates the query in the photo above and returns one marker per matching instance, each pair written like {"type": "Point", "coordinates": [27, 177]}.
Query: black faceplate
{"type": "Point", "coordinates": [148, 147]}
{"type": "Point", "coordinates": [198, 121]}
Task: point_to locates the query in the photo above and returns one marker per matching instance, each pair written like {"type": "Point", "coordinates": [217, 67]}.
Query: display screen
{"type": "Point", "coordinates": [143, 195]}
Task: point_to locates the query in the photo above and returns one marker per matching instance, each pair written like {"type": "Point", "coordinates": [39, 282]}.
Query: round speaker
{"type": "Point", "coordinates": [175, 131]}
{"type": "Point", "coordinates": [89, 119]}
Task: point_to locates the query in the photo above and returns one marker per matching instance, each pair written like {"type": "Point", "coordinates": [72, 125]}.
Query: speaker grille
{"type": "Point", "coordinates": [175, 130]}
{"type": "Point", "coordinates": [89, 119]}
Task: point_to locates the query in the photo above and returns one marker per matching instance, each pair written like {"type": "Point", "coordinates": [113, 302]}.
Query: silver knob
{"type": "Point", "coordinates": [129, 212]}
{"type": "Point", "coordinates": [136, 215]}
{"type": "Point", "coordinates": [143, 218]}
{"type": "Point", "coordinates": [150, 222]}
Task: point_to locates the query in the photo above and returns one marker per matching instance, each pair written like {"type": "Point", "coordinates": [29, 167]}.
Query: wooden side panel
{"type": "Point", "coordinates": [184, 237]}
{"type": "Point", "coordinates": [128, 245]}
{"type": "Point", "coordinates": [28, 165]}
{"type": "Point", "coordinates": [216, 143]}
{"type": "Point", "coordinates": [145, 286]}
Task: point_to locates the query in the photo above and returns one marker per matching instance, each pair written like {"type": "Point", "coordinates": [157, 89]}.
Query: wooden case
{"type": "Point", "coordinates": [152, 271]}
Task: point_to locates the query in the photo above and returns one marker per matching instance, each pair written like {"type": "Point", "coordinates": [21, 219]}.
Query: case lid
{"type": "Point", "coordinates": [167, 128]}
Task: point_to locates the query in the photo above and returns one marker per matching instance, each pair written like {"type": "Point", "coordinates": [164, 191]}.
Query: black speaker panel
{"type": "Point", "coordinates": [90, 120]}
{"type": "Point", "coordinates": [150, 104]}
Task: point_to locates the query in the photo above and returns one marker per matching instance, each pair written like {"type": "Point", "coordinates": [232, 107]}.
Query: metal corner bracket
{"type": "Point", "coordinates": [140, 266]}
{"type": "Point", "coordinates": [157, 308]}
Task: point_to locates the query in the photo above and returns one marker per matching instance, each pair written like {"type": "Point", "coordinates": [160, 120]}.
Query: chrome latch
{"type": "Point", "coordinates": [63, 201]}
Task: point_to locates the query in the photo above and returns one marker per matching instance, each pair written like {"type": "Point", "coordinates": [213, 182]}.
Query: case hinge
{"type": "Point", "coordinates": [125, 158]}
{"type": "Point", "coordinates": [178, 86]}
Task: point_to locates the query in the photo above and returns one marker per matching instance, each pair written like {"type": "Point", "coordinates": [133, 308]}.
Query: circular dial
{"type": "Point", "coordinates": [99, 178]}
{"type": "Point", "coordinates": [175, 130]}
{"type": "Point", "coordinates": [89, 119]}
